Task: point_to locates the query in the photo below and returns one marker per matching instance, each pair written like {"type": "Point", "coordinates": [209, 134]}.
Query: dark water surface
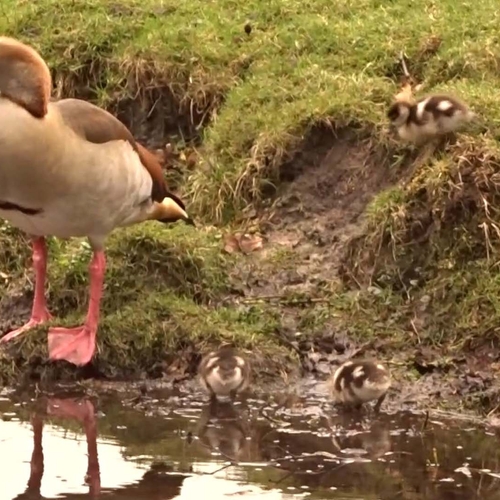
{"type": "Point", "coordinates": [164, 446]}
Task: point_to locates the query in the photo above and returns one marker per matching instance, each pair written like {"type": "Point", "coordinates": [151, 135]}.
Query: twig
{"type": "Point", "coordinates": [487, 240]}
{"type": "Point", "coordinates": [403, 64]}
{"type": "Point", "coordinates": [219, 470]}
{"type": "Point", "coordinates": [270, 419]}
{"type": "Point", "coordinates": [284, 300]}
{"type": "Point", "coordinates": [426, 421]}
{"type": "Point", "coordinates": [317, 473]}
{"type": "Point", "coordinates": [286, 476]}
{"type": "Point", "coordinates": [291, 345]}
{"type": "Point", "coordinates": [415, 330]}
{"type": "Point", "coordinates": [493, 411]}
{"type": "Point", "coordinates": [379, 249]}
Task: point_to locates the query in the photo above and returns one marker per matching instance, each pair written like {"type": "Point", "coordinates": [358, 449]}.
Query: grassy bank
{"type": "Point", "coordinates": [162, 308]}
{"type": "Point", "coordinates": [285, 103]}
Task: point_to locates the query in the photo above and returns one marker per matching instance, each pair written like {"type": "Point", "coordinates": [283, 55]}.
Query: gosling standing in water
{"type": "Point", "coordinates": [224, 373]}
{"type": "Point", "coordinates": [358, 382]}
{"type": "Point", "coordinates": [428, 118]}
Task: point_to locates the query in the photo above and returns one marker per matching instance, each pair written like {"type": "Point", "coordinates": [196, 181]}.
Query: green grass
{"type": "Point", "coordinates": [251, 101]}
{"type": "Point", "coordinates": [438, 240]}
{"type": "Point", "coordinates": [161, 301]}
{"type": "Point", "coordinates": [301, 64]}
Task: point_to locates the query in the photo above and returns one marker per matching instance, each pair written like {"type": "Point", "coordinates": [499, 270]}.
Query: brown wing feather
{"type": "Point", "coordinates": [98, 126]}
{"type": "Point", "coordinates": [24, 77]}
{"type": "Point", "coordinates": [153, 166]}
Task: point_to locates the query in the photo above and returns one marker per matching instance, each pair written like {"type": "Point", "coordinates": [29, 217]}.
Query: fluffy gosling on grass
{"type": "Point", "coordinates": [428, 118]}
{"type": "Point", "coordinates": [224, 373]}
{"type": "Point", "coordinates": [358, 382]}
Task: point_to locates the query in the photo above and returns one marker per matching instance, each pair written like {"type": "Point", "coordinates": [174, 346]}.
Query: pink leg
{"type": "Point", "coordinates": [77, 345]}
{"type": "Point", "coordinates": [93, 476]}
{"type": "Point", "coordinates": [83, 411]}
{"type": "Point", "coordinates": [39, 312]}
{"type": "Point", "coordinates": [36, 473]}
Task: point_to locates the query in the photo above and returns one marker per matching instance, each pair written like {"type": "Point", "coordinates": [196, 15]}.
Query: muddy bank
{"type": "Point", "coordinates": [286, 305]}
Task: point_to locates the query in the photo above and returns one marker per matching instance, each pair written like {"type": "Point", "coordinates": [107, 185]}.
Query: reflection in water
{"type": "Point", "coordinates": [223, 428]}
{"type": "Point", "coordinates": [153, 485]}
{"type": "Point", "coordinates": [276, 448]}
{"type": "Point", "coordinates": [83, 412]}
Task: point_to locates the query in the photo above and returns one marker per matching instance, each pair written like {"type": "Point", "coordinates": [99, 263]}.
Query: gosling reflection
{"type": "Point", "coordinates": [84, 412]}
{"type": "Point", "coordinates": [224, 428]}
{"type": "Point", "coordinates": [371, 440]}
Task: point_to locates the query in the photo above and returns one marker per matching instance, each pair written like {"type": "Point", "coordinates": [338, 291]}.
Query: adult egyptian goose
{"type": "Point", "coordinates": [69, 169]}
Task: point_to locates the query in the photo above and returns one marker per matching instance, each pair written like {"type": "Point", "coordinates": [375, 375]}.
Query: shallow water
{"type": "Point", "coordinates": [176, 446]}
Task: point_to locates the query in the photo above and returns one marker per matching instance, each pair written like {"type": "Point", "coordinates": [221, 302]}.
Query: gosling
{"type": "Point", "coordinates": [429, 118]}
{"type": "Point", "coordinates": [358, 382]}
{"type": "Point", "coordinates": [224, 373]}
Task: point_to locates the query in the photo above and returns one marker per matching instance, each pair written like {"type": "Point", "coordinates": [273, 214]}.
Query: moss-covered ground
{"type": "Point", "coordinates": [276, 111]}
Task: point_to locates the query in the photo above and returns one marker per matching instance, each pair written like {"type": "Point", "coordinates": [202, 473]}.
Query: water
{"type": "Point", "coordinates": [280, 447]}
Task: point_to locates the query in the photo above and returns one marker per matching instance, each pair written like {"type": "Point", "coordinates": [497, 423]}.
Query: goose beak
{"type": "Point", "coordinates": [169, 211]}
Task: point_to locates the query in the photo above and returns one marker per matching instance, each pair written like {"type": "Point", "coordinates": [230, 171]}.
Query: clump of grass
{"type": "Point", "coordinates": [446, 211]}
{"type": "Point", "coordinates": [438, 239]}
{"type": "Point", "coordinates": [14, 252]}
{"type": "Point", "coordinates": [335, 63]}
{"type": "Point", "coordinates": [129, 55]}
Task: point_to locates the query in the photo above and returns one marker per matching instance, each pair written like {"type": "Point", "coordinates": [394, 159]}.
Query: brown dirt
{"type": "Point", "coordinates": [15, 308]}
{"type": "Point", "coordinates": [318, 207]}
{"type": "Point", "coordinates": [321, 201]}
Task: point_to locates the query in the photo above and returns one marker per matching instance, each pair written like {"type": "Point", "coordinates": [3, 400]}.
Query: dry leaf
{"type": "Point", "coordinates": [245, 243]}
{"type": "Point", "coordinates": [231, 244]}
{"type": "Point", "coordinates": [406, 93]}
{"type": "Point", "coordinates": [250, 243]}
{"type": "Point", "coordinates": [192, 159]}
{"type": "Point", "coordinates": [430, 46]}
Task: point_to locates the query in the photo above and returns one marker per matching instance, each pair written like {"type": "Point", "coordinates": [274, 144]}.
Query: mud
{"type": "Point", "coordinates": [15, 308]}
{"type": "Point", "coordinates": [320, 203]}
{"type": "Point", "coordinates": [318, 208]}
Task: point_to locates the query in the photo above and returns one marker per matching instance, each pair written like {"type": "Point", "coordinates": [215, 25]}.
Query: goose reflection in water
{"type": "Point", "coordinates": [224, 428]}
{"type": "Point", "coordinates": [84, 412]}
{"type": "Point", "coordinates": [154, 484]}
